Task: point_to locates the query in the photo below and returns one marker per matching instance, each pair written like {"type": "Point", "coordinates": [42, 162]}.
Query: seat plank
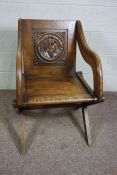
{"type": "Point", "coordinates": [52, 90]}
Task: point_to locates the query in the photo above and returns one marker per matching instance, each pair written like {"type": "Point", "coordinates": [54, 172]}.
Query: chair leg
{"type": "Point", "coordinates": [21, 135]}
{"type": "Point", "coordinates": [86, 125]}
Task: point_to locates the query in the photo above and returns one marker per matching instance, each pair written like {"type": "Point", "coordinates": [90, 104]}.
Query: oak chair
{"type": "Point", "coordinates": [46, 68]}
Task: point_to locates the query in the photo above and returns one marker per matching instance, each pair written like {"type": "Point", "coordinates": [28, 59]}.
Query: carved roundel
{"type": "Point", "coordinates": [48, 47]}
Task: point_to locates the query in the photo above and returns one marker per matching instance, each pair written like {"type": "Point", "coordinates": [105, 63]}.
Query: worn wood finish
{"type": "Point", "coordinates": [29, 28]}
{"type": "Point", "coordinates": [56, 90]}
{"type": "Point", "coordinates": [92, 59]}
{"type": "Point", "coordinates": [19, 79]}
{"type": "Point", "coordinates": [46, 68]}
{"type": "Point", "coordinates": [61, 35]}
{"type": "Point", "coordinates": [86, 125]}
{"type": "Point", "coordinates": [21, 135]}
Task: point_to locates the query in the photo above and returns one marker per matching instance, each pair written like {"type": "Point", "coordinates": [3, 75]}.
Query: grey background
{"type": "Point", "coordinates": [99, 19]}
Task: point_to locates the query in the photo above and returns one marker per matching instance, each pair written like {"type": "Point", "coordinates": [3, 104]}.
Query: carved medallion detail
{"type": "Point", "coordinates": [49, 47]}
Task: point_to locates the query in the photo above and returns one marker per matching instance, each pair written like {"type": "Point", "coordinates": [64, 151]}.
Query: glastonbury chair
{"type": "Point", "coordinates": [46, 68]}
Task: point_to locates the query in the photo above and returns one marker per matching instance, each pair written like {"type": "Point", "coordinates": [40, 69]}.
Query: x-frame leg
{"type": "Point", "coordinates": [86, 125]}
{"type": "Point", "coordinates": [21, 134]}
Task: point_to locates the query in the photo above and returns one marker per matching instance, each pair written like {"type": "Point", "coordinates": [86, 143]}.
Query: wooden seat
{"type": "Point", "coordinates": [40, 91]}
{"type": "Point", "coordinates": [46, 67]}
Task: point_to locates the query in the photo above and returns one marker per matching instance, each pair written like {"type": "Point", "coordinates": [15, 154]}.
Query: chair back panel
{"type": "Point", "coordinates": [48, 47]}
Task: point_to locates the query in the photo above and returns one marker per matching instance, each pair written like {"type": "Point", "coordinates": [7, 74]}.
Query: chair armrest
{"type": "Point", "coordinates": [92, 59]}
{"type": "Point", "coordinates": [19, 79]}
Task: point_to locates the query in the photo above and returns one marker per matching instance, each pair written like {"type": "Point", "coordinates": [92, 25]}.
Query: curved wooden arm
{"type": "Point", "coordinates": [19, 81]}
{"type": "Point", "coordinates": [92, 59]}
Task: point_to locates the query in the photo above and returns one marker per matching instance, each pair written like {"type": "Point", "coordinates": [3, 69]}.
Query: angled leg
{"type": "Point", "coordinates": [21, 135]}
{"type": "Point", "coordinates": [86, 125]}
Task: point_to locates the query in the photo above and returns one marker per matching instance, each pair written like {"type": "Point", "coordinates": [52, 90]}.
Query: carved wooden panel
{"type": "Point", "coordinates": [50, 47]}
